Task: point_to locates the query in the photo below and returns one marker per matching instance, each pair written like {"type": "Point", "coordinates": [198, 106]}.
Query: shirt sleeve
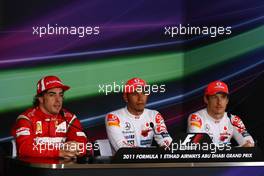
{"type": "Point", "coordinates": [161, 134]}
{"type": "Point", "coordinates": [114, 132]}
{"type": "Point", "coordinates": [26, 146]}
{"type": "Point", "coordinates": [240, 132]}
{"type": "Point", "coordinates": [194, 124]}
{"type": "Point", "coordinates": [76, 133]}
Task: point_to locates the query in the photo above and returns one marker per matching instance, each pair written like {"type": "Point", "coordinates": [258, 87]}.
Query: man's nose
{"type": "Point", "coordinates": [140, 96]}
{"type": "Point", "coordinates": [219, 100]}
{"type": "Point", "coordinates": [57, 98]}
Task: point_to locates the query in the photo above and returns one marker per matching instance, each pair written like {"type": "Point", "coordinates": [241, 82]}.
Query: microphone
{"type": "Point", "coordinates": [89, 156]}
{"type": "Point", "coordinates": [163, 134]}
{"type": "Point", "coordinates": [152, 126]}
{"type": "Point", "coordinates": [71, 124]}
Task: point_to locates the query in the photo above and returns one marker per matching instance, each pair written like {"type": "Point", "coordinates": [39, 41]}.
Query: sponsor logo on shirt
{"type": "Point", "coordinates": [49, 140]}
{"type": "Point", "coordinates": [224, 136]}
{"type": "Point", "coordinates": [237, 122]}
{"type": "Point", "coordinates": [207, 128]}
{"type": "Point", "coordinates": [131, 142]}
{"type": "Point", "coordinates": [161, 129]}
{"type": "Point", "coordinates": [245, 134]}
{"type": "Point", "coordinates": [145, 142]}
{"type": "Point", "coordinates": [127, 132]}
{"type": "Point", "coordinates": [113, 120]}
{"type": "Point", "coordinates": [145, 132]}
{"type": "Point", "coordinates": [127, 126]}
{"type": "Point", "coordinates": [159, 119]}
{"type": "Point", "coordinates": [131, 136]}
{"type": "Point", "coordinates": [61, 128]}
{"type": "Point", "coordinates": [196, 121]}
{"type": "Point", "coordinates": [80, 134]}
{"type": "Point", "coordinates": [23, 131]}
{"type": "Point", "coordinates": [38, 127]}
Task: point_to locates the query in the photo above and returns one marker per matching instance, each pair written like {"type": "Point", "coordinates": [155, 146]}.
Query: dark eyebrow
{"type": "Point", "coordinates": [62, 92]}
{"type": "Point", "coordinates": [51, 92]}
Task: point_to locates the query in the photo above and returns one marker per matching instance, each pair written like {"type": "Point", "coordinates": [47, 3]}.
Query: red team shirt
{"type": "Point", "coordinates": [37, 133]}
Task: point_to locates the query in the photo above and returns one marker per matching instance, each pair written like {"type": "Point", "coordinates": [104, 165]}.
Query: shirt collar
{"type": "Point", "coordinates": [133, 116]}
{"type": "Point", "coordinates": [213, 119]}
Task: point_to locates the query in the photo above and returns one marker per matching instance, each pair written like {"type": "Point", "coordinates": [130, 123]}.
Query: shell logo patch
{"type": "Point", "coordinates": [39, 127]}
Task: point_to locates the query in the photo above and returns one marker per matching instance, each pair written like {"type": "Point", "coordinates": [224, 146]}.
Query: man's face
{"type": "Point", "coordinates": [136, 101]}
{"type": "Point", "coordinates": [51, 101]}
{"type": "Point", "coordinates": [216, 104]}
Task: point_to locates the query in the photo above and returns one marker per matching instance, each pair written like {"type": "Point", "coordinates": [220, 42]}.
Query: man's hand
{"type": "Point", "coordinates": [67, 154]}
{"type": "Point", "coordinates": [70, 150]}
{"type": "Point", "coordinates": [248, 144]}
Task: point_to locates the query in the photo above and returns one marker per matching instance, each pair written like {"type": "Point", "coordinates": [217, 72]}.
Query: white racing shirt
{"type": "Point", "coordinates": [127, 130]}
{"type": "Point", "coordinates": [220, 131]}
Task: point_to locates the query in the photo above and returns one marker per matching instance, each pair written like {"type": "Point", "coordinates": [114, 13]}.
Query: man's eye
{"type": "Point", "coordinates": [50, 94]}
{"type": "Point", "coordinates": [213, 97]}
{"type": "Point", "coordinates": [146, 92]}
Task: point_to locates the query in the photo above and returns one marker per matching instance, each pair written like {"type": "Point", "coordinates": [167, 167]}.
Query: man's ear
{"type": "Point", "coordinates": [205, 99]}
{"type": "Point", "coordinates": [40, 99]}
{"type": "Point", "coordinates": [125, 97]}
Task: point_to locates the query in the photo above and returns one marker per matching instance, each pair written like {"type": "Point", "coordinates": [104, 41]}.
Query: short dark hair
{"type": "Point", "coordinates": [36, 100]}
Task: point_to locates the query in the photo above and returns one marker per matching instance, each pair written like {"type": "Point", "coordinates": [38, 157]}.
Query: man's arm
{"type": "Point", "coordinates": [26, 146]}
{"type": "Point", "coordinates": [243, 138]}
{"type": "Point", "coordinates": [114, 132]}
{"type": "Point", "coordinates": [161, 134]}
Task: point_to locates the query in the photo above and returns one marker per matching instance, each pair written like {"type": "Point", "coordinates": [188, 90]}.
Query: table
{"type": "Point", "coordinates": [54, 167]}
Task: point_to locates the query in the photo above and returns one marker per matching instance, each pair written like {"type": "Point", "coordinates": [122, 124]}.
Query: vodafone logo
{"type": "Point", "coordinates": [52, 82]}
{"type": "Point", "coordinates": [136, 80]}
{"type": "Point", "coordinates": [219, 85]}
{"type": "Point", "coordinates": [158, 119]}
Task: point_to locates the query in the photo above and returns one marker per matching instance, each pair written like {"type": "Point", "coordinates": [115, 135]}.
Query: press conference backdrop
{"type": "Point", "coordinates": [133, 39]}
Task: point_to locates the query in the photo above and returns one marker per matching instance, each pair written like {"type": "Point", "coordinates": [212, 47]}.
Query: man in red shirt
{"type": "Point", "coordinates": [46, 129]}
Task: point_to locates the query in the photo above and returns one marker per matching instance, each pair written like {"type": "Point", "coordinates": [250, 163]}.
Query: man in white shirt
{"type": "Point", "coordinates": [218, 124]}
{"type": "Point", "coordinates": [134, 125]}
